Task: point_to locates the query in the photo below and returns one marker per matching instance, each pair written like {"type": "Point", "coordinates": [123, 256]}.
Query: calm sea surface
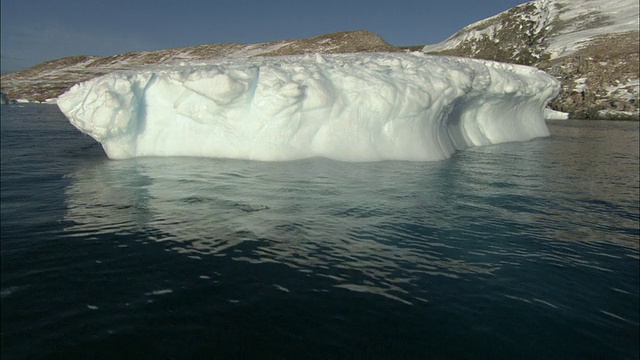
{"type": "Point", "coordinates": [521, 250]}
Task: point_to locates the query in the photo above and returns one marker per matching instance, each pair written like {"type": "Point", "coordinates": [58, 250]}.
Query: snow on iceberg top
{"type": "Point", "coordinates": [353, 107]}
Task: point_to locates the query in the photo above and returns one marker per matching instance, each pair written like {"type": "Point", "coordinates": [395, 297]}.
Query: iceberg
{"type": "Point", "coordinates": [550, 114]}
{"type": "Point", "coordinates": [348, 107]}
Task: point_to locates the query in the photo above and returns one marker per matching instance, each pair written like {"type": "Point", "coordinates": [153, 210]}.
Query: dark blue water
{"type": "Point", "coordinates": [522, 250]}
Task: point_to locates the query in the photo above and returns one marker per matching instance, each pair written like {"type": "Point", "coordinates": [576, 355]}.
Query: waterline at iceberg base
{"type": "Point", "coordinates": [353, 107]}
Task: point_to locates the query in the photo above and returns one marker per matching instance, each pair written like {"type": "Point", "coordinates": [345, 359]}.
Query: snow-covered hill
{"type": "Point", "coordinates": [50, 79]}
{"type": "Point", "coordinates": [590, 45]}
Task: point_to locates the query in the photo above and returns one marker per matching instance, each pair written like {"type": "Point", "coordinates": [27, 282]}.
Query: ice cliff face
{"type": "Point", "coordinates": [357, 107]}
{"type": "Point", "coordinates": [581, 42]}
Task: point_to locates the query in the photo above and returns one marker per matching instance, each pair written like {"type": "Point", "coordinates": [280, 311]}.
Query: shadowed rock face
{"type": "Point", "coordinates": [52, 78]}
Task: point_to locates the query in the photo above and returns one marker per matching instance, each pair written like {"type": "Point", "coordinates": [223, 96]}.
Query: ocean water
{"type": "Point", "coordinates": [522, 250]}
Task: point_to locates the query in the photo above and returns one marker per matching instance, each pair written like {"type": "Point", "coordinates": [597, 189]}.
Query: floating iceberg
{"type": "Point", "coordinates": [550, 114]}
{"type": "Point", "coordinates": [349, 107]}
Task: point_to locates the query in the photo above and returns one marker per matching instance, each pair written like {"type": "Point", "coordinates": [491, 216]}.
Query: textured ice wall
{"type": "Point", "coordinates": [356, 107]}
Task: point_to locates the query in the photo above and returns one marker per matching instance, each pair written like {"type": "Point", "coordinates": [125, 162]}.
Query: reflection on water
{"type": "Point", "coordinates": [351, 223]}
{"type": "Point", "coordinates": [594, 168]}
{"type": "Point", "coordinates": [522, 250]}
{"type": "Point", "coordinates": [378, 227]}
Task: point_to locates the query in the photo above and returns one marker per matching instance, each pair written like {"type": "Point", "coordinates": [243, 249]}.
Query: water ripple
{"type": "Point", "coordinates": [546, 230]}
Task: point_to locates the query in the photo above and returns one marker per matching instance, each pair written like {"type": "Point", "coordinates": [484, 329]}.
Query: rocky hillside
{"type": "Point", "coordinates": [591, 46]}
{"type": "Point", "coordinates": [52, 78]}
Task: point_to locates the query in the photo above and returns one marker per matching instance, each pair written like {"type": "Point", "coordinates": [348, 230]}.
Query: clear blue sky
{"type": "Point", "coordinates": [34, 31]}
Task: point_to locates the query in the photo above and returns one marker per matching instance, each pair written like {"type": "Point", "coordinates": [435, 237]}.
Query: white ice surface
{"type": "Point", "coordinates": [550, 114]}
{"type": "Point", "coordinates": [354, 107]}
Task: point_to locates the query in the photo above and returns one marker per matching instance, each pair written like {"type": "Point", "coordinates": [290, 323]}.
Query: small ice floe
{"type": "Point", "coordinates": [92, 307]}
{"type": "Point", "coordinates": [614, 316]}
{"type": "Point", "coordinates": [281, 288]}
{"type": "Point", "coordinates": [6, 292]}
{"type": "Point", "coordinates": [517, 298]}
{"type": "Point", "coordinates": [159, 292]}
{"type": "Point", "coordinates": [620, 290]}
{"type": "Point", "coordinates": [550, 114]}
{"type": "Point", "coordinates": [546, 303]}
{"type": "Point", "coordinates": [251, 208]}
